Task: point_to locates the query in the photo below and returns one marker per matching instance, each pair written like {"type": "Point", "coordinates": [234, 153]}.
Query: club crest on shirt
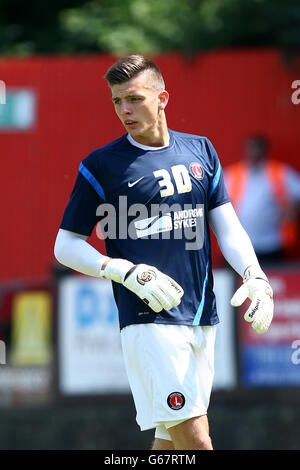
{"type": "Point", "coordinates": [196, 170]}
{"type": "Point", "coordinates": [176, 400]}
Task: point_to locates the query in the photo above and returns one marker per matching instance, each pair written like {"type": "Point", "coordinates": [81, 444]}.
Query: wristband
{"type": "Point", "coordinates": [254, 272]}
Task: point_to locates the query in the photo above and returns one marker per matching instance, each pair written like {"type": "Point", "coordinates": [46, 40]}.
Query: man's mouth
{"type": "Point", "coordinates": [130, 123]}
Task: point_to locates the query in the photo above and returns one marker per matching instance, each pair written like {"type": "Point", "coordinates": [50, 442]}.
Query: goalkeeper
{"type": "Point", "coordinates": [163, 286]}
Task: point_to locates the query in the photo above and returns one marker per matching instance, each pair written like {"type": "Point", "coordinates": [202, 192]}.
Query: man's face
{"type": "Point", "coordinates": [255, 151]}
{"type": "Point", "coordinates": [138, 105]}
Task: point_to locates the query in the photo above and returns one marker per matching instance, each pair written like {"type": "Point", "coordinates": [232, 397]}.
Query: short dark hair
{"type": "Point", "coordinates": [130, 66]}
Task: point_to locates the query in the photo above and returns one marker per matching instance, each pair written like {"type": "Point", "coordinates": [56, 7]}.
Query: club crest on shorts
{"type": "Point", "coordinates": [176, 400]}
{"type": "Point", "coordinates": [196, 170]}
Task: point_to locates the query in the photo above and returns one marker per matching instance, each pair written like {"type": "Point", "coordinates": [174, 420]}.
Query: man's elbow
{"type": "Point", "coordinates": [59, 250]}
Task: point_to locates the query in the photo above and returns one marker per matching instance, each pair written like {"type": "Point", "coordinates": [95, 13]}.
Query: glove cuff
{"type": "Point", "coordinates": [254, 272]}
{"type": "Point", "coordinates": [116, 269]}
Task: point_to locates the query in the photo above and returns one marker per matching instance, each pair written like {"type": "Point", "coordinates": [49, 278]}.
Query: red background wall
{"type": "Point", "coordinates": [224, 95]}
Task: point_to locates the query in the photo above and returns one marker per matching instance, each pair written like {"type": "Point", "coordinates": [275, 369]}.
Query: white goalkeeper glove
{"type": "Point", "coordinates": [257, 288]}
{"type": "Point", "coordinates": [156, 289]}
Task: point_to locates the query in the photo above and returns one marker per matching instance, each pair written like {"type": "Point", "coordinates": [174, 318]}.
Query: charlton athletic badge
{"type": "Point", "coordinates": [196, 170]}
{"type": "Point", "coordinates": [176, 400]}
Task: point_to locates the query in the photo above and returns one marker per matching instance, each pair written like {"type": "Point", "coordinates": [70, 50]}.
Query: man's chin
{"type": "Point", "coordinates": [134, 129]}
{"type": "Point", "coordinates": [134, 132]}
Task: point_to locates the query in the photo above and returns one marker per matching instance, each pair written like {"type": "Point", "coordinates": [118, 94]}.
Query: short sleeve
{"type": "Point", "coordinates": [80, 213]}
{"type": "Point", "coordinates": [217, 192]}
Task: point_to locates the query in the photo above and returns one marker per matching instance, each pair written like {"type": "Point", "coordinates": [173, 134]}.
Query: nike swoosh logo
{"type": "Point", "coordinates": [152, 221]}
{"type": "Point", "coordinates": [134, 182]}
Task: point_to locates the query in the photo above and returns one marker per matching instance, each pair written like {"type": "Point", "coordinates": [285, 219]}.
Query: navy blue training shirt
{"type": "Point", "coordinates": [152, 206]}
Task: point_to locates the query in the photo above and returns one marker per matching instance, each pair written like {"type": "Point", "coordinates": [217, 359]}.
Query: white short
{"type": "Point", "coordinates": [170, 371]}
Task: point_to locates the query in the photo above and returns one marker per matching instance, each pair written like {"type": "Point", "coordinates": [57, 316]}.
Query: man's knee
{"type": "Point", "coordinates": [203, 442]}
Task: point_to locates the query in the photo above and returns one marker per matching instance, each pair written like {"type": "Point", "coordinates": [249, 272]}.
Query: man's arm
{"type": "Point", "coordinates": [237, 249]}
{"type": "Point", "coordinates": [233, 240]}
{"type": "Point", "coordinates": [156, 289]}
{"type": "Point", "coordinates": [72, 250]}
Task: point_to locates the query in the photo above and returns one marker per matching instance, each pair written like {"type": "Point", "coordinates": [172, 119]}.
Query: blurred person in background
{"type": "Point", "coordinates": [266, 196]}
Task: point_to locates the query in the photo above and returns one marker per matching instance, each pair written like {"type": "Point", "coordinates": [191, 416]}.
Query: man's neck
{"type": "Point", "coordinates": [152, 141]}
{"type": "Point", "coordinates": [143, 146]}
{"type": "Point", "coordinates": [158, 137]}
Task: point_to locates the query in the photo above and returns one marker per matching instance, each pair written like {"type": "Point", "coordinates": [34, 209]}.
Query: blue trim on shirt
{"type": "Point", "coordinates": [215, 180]}
{"type": "Point", "coordinates": [198, 315]}
{"type": "Point", "coordinates": [92, 180]}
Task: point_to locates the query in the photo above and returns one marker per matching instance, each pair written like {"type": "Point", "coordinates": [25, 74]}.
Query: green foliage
{"type": "Point", "coordinates": [31, 27]}
{"type": "Point", "coordinates": [146, 26]}
{"type": "Point", "coordinates": [132, 26]}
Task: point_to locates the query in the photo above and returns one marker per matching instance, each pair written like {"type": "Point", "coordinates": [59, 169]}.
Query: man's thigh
{"type": "Point", "coordinates": [162, 444]}
{"type": "Point", "coordinates": [191, 434]}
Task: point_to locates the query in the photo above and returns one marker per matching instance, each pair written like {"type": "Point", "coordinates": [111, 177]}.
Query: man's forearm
{"type": "Point", "coordinates": [76, 253]}
{"type": "Point", "coordinates": [233, 240]}
{"type": "Point", "coordinates": [237, 248]}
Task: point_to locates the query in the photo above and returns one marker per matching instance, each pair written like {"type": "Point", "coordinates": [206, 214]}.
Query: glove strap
{"type": "Point", "coordinates": [254, 272]}
{"type": "Point", "coordinates": [115, 269]}
{"type": "Point", "coordinates": [129, 272]}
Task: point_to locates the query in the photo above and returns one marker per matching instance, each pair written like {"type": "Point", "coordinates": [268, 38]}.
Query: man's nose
{"type": "Point", "coordinates": [125, 108]}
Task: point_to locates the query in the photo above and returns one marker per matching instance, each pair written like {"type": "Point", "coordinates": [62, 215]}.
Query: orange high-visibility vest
{"type": "Point", "coordinates": [275, 173]}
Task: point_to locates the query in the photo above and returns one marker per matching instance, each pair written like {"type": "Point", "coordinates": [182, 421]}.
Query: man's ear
{"type": "Point", "coordinates": [163, 99]}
